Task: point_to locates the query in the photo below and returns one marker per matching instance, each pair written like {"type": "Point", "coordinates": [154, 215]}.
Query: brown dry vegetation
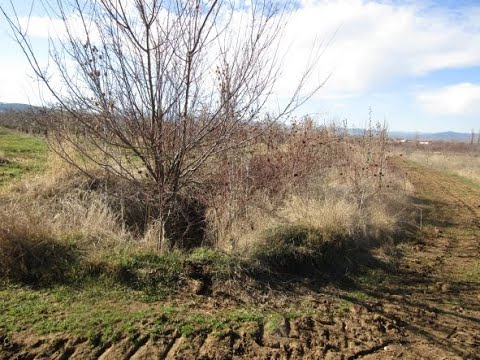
{"type": "Point", "coordinates": [83, 275]}
{"type": "Point", "coordinates": [464, 163]}
{"type": "Point", "coordinates": [427, 307]}
{"type": "Point", "coordinates": [296, 191]}
{"type": "Point", "coordinates": [301, 206]}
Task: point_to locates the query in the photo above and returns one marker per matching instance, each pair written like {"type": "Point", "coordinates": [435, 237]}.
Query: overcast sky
{"type": "Point", "coordinates": [416, 64]}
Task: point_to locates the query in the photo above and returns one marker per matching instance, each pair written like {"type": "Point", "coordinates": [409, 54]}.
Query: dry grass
{"type": "Point", "coordinates": [337, 212]}
{"type": "Point", "coordinates": [29, 250]}
{"type": "Point", "coordinates": [55, 206]}
{"type": "Point", "coordinates": [462, 164]}
{"type": "Point", "coordinates": [332, 188]}
{"type": "Point", "coordinates": [339, 186]}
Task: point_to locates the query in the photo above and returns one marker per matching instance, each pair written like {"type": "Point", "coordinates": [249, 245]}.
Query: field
{"type": "Point", "coordinates": [20, 154]}
{"type": "Point", "coordinates": [301, 274]}
{"type": "Point", "coordinates": [463, 164]}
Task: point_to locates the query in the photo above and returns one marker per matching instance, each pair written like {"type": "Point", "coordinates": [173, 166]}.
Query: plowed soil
{"type": "Point", "coordinates": [427, 307]}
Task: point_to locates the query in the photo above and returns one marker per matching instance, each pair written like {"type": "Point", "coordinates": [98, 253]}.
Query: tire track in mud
{"type": "Point", "coordinates": [462, 200]}
{"type": "Point", "coordinates": [442, 313]}
{"type": "Point", "coordinates": [349, 337]}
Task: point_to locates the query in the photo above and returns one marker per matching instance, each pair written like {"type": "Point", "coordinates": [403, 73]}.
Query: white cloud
{"type": "Point", "coordinates": [378, 42]}
{"type": "Point", "coordinates": [42, 27]}
{"type": "Point", "coordinates": [373, 43]}
{"type": "Point", "coordinates": [15, 88]}
{"type": "Point", "coordinates": [458, 99]}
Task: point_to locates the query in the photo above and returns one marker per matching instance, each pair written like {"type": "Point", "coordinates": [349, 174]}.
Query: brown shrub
{"type": "Point", "coordinates": [314, 176]}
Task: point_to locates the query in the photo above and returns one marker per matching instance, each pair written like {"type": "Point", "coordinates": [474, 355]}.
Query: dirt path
{"type": "Point", "coordinates": [436, 293]}
{"type": "Point", "coordinates": [428, 308]}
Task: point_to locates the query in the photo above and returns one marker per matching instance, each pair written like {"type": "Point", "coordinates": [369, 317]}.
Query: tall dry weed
{"type": "Point", "coordinates": [315, 176]}
{"type": "Point", "coordinates": [304, 174]}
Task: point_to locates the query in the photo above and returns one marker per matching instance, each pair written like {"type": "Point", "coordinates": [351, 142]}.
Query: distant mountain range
{"type": "Point", "coordinates": [6, 107]}
{"type": "Point", "coordinates": [410, 135]}
{"type": "Point", "coordinates": [447, 135]}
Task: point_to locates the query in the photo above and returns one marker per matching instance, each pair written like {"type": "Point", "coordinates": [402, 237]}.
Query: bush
{"type": "Point", "coordinates": [149, 272]}
{"type": "Point", "coordinates": [300, 200]}
{"type": "Point", "coordinates": [307, 250]}
{"type": "Point", "coordinates": [295, 249]}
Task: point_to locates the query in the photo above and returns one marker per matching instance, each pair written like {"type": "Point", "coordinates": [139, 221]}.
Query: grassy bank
{"type": "Point", "coordinates": [73, 260]}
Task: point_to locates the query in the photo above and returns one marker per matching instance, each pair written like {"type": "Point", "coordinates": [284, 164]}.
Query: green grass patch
{"type": "Point", "coordinates": [343, 307]}
{"type": "Point", "coordinates": [106, 313]}
{"type": "Point", "coordinates": [359, 295]}
{"type": "Point", "coordinates": [470, 273]}
{"type": "Point", "coordinates": [156, 275]}
{"type": "Point", "coordinates": [97, 312]}
{"type": "Point", "coordinates": [38, 260]}
{"type": "Point", "coordinates": [20, 154]}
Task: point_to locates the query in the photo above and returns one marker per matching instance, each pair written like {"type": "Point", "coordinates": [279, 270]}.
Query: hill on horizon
{"type": "Point", "coordinates": [411, 135]}
{"type": "Point", "coordinates": [6, 107]}
{"type": "Point", "coordinates": [444, 135]}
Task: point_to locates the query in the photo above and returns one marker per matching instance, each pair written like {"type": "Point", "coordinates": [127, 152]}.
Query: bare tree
{"type": "Point", "coordinates": [149, 91]}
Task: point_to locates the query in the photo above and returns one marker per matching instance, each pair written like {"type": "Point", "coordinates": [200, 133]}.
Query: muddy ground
{"type": "Point", "coordinates": [428, 307]}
